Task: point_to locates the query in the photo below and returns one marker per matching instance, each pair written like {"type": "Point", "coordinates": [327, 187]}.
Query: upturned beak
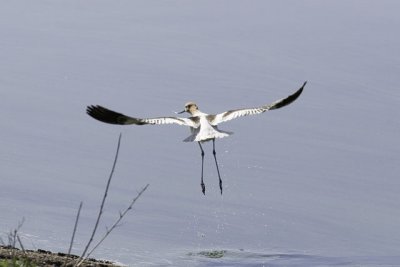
{"type": "Point", "coordinates": [180, 112]}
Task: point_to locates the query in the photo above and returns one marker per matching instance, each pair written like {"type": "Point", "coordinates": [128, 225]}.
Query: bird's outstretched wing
{"type": "Point", "coordinates": [108, 116]}
{"type": "Point", "coordinates": [233, 114]}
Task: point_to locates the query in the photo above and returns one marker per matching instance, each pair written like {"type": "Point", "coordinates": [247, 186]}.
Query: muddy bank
{"type": "Point", "coordinates": [45, 258]}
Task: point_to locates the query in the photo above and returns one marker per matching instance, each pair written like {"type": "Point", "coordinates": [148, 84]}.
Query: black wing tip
{"type": "Point", "coordinates": [294, 96]}
{"type": "Point", "coordinates": [301, 88]}
{"type": "Point", "coordinates": [291, 98]}
{"type": "Point", "coordinates": [91, 108]}
{"type": "Point", "coordinates": [297, 94]}
{"type": "Point", "coordinates": [102, 114]}
{"type": "Point", "coordinates": [106, 115]}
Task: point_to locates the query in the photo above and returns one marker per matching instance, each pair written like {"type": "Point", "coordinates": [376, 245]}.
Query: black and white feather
{"type": "Point", "coordinates": [203, 126]}
{"type": "Point", "coordinates": [109, 116]}
{"type": "Point", "coordinates": [237, 113]}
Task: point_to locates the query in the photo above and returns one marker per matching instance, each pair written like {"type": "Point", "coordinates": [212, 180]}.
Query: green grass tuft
{"type": "Point", "coordinates": [16, 263]}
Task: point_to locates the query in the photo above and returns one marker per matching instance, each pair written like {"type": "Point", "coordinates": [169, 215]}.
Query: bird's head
{"type": "Point", "coordinates": [190, 107]}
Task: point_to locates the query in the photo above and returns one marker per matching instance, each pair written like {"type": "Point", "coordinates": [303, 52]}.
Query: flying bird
{"type": "Point", "coordinates": [203, 126]}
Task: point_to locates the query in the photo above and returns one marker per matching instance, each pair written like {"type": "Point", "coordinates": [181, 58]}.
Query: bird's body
{"type": "Point", "coordinates": [203, 126]}
{"type": "Point", "coordinates": [204, 130]}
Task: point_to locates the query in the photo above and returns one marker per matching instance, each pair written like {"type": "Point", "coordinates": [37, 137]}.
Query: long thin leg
{"type": "Point", "coordinates": [203, 187]}
{"type": "Point", "coordinates": [216, 163]}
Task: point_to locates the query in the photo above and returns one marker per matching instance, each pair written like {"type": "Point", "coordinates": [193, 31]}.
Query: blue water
{"type": "Point", "coordinates": [312, 184]}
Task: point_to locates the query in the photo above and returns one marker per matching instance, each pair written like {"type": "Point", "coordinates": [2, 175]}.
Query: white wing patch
{"type": "Point", "coordinates": [233, 114]}
{"type": "Point", "coordinates": [169, 120]}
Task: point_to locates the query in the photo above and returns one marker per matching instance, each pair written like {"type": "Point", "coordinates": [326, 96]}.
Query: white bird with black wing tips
{"type": "Point", "coordinates": [203, 126]}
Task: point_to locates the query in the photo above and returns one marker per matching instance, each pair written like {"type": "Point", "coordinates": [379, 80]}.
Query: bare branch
{"type": "Point", "coordinates": [116, 223]}
{"type": "Point", "coordinates": [20, 244]}
{"type": "Point", "coordinates": [75, 227]}
{"type": "Point", "coordinates": [103, 201]}
{"type": "Point", "coordinates": [12, 236]}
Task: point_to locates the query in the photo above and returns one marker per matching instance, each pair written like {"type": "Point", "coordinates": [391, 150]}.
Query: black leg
{"type": "Point", "coordinates": [203, 187]}
{"type": "Point", "coordinates": [216, 163]}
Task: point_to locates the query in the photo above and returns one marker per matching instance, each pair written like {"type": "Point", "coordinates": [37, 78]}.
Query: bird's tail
{"type": "Point", "coordinates": [197, 138]}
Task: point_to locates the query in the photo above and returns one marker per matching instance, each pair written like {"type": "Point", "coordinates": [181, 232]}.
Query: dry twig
{"type": "Point", "coordinates": [103, 201]}
{"type": "Point", "coordinates": [85, 253]}
{"type": "Point", "coordinates": [75, 227]}
{"type": "Point", "coordinates": [116, 223]}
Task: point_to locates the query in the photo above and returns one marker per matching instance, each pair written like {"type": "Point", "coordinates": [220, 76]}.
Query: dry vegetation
{"type": "Point", "coordinates": [12, 256]}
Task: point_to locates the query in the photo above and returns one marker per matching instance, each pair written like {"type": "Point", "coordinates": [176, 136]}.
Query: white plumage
{"type": "Point", "coordinates": [203, 126]}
